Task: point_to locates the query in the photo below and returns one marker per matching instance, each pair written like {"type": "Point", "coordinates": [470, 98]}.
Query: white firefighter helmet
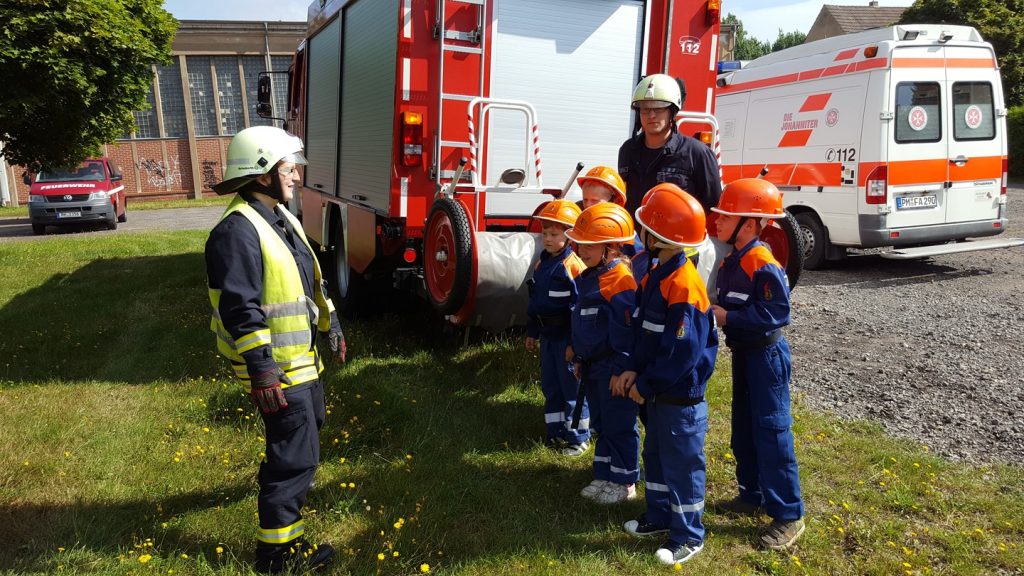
{"type": "Point", "coordinates": [254, 151]}
{"type": "Point", "coordinates": [658, 88]}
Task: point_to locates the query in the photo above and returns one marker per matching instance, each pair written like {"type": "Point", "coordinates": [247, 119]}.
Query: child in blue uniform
{"type": "Point", "coordinates": [552, 295]}
{"type": "Point", "coordinates": [673, 358]}
{"type": "Point", "coordinates": [753, 306]}
{"type": "Point", "coordinates": [602, 341]}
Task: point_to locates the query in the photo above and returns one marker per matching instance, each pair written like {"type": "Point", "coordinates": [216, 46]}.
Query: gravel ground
{"type": "Point", "coordinates": [931, 349]}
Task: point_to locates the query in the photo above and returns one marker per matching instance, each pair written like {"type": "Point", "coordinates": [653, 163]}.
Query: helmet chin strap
{"type": "Point", "coordinates": [273, 189]}
{"type": "Point", "coordinates": [736, 230]}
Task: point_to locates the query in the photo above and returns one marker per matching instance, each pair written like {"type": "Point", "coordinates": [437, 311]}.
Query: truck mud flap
{"type": "Point", "coordinates": [951, 248]}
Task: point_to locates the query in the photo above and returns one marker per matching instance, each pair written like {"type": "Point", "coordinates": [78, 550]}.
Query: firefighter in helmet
{"type": "Point", "coordinates": [269, 303]}
{"type": "Point", "coordinates": [658, 153]}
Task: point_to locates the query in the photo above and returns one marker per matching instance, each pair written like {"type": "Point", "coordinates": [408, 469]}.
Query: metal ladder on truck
{"type": "Point", "coordinates": [461, 44]}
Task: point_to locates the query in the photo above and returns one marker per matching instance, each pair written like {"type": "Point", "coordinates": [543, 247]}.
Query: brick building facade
{"type": "Point", "coordinates": [206, 95]}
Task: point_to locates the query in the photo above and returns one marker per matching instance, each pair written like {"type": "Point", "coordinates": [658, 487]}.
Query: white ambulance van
{"type": "Point", "coordinates": [893, 137]}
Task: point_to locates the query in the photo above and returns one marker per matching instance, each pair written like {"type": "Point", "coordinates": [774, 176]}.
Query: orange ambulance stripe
{"type": "Point", "coordinates": [795, 138]}
{"type": "Point", "coordinates": [846, 54]}
{"type": "Point", "coordinates": [900, 173]}
{"type": "Point", "coordinates": [815, 102]}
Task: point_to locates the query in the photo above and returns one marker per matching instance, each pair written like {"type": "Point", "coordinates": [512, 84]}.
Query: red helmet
{"type": "Point", "coordinates": [601, 223]}
{"type": "Point", "coordinates": [563, 212]}
{"type": "Point", "coordinates": [672, 216]}
{"type": "Point", "coordinates": [751, 197]}
{"type": "Point", "coordinates": [610, 178]}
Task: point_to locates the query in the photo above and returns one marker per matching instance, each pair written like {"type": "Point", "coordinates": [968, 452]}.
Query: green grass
{"type": "Point", "coordinates": [135, 204]}
{"type": "Point", "coordinates": [126, 441]}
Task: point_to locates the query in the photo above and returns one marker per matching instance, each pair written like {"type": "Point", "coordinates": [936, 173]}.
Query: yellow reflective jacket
{"type": "Point", "coordinates": [290, 314]}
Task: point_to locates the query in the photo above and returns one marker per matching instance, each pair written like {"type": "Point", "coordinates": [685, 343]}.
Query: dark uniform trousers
{"type": "Point", "coordinates": [293, 453]}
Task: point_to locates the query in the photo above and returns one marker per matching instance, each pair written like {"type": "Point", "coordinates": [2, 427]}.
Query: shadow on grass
{"type": "Point", "coordinates": [132, 320]}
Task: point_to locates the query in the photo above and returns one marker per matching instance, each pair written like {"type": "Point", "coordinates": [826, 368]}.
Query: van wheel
{"type": "Point", "coordinates": [815, 240]}
{"type": "Point", "coordinates": [112, 223]}
{"type": "Point", "coordinates": [39, 229]}
{"type": "Point", "coordinates": [124, 213]}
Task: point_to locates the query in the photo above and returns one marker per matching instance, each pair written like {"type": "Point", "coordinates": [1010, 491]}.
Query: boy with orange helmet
{"type": "Point", "coordinates": [603, 184]}
{"type": "Point", "coordinates": [552, 295]}
{"type": "Point", "coordinates": [752, 308]}
{"type": "Point", "coordinates": [602, 342]}
{"type": "Point", "coordinates": [673, 358]}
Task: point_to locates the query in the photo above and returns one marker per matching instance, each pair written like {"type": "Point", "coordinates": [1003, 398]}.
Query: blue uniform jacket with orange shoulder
{"type": "Point", "coordinates": [676, 342]}
{"type": "Point", "coordinates": [754, 290]}
{"type": "Point", "coordinates": [552, 292]}
{"type": "Point", "coordinates": [602, 318]}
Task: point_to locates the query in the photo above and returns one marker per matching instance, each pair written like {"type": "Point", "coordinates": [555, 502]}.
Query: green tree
{"type": "Point", "coordinates": [788, 40]}
{"type": "Point", "coordinates": [1000, 22]}
{"type": "Point", "coordinates": [747, 47]}
{"type": "Point", "coordinates": [72, 72]}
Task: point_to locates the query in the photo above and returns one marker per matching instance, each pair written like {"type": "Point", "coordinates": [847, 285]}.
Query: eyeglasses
{"type": "Point", "coordinates": [651, 109]}
{"type": "Point", "coordinates": [287, 171]}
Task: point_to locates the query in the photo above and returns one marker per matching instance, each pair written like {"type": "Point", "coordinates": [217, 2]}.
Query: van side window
{"type": "Point", "coordinates": [973, 111]}
{"type": "Point", "coordinates": [918, 112]}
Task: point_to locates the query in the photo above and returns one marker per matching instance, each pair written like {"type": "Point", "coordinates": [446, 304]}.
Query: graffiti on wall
{"type": "Point", "coordinates": [211, 173]}
{"type": "Point", "coordinates": [161, 174]}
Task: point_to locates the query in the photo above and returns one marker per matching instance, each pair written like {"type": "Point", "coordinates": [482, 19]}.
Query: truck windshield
{"type": "Point", "coordinates": [92, 171]}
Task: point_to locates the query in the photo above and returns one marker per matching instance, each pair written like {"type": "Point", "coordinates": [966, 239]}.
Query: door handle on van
{"type": "Point", "coordinates": [959, 160]}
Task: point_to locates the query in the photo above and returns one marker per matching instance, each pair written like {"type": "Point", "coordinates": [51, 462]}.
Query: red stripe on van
{"type": "Point", "coordinates": [795, 138]}
{"type": "Point", "coordinates": [846, 54]}
{"type": "Point", "coordinates": [815, 102]}
{"type": "Point", "coordinates": [851, 68]}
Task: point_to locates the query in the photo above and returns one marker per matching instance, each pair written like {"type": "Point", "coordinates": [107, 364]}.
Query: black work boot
{"type": "Point", "coordinates": [297, 556]}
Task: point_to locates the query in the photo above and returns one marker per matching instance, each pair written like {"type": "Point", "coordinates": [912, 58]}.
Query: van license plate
{"type": "Point", "coordinates": [75, 214]}
{"type": "Point", "coordinates": [908, 202]}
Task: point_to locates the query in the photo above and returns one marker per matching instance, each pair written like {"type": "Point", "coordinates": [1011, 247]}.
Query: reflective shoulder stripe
{"type": "Point", "coordinates": [282, 535]}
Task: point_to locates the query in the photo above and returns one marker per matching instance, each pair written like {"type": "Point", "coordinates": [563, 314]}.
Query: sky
{"type": "Point", "coordinates": [762, 19]}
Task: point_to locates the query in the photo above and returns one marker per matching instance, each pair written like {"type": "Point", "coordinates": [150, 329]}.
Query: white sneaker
{"type": "Point", "coordinates": [671, 553]}
{"type": "Point", "coordinates": [593, 489]}
{"type": "Point", "coordinates": [614, 493]}
{"type": "Point", "coordinates": [575, 449]}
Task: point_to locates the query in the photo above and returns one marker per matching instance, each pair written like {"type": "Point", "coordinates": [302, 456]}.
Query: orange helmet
{"type": "Point", "coordinates": [672, 216]}
{"type": "Point", "coordinates": [604, 222]}
{"type": "Point", "coordinates": [751, 197]}
{"type": "Point", "coordinates": [564, 212]}
{"type": "Point", "coordinates": [610, 178]}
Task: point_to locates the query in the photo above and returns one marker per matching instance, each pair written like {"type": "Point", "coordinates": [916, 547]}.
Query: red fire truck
{"type": "Point", "coordinates": [390, 96]}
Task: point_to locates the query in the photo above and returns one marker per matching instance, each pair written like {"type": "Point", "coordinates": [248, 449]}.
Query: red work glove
{"type": "Point", "coordinates": [266, 390]}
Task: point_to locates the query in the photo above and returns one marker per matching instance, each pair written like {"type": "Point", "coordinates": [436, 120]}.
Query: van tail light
{"type": "Point", "coordinates": [412, 138]}
{"type": "Point", "coordinates": [1002, 186]}
{"type": "Point", "coordinates": [877, 183]}
{"type": "Point", "coordinates": [714, 12]}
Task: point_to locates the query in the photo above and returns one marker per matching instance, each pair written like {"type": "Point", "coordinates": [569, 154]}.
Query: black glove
{"type": "Point", "coordinates": [336, 340]}
{"type": "Point", "coordinates": [266, 390]}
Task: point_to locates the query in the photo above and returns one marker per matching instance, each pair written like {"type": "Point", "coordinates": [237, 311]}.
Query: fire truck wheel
{"type": "Point", "coordinates": [786, 242]}
{"type": "Point", "coordinates": [448, 256]}
{"type": "Point", "coordinates": [346, 285]}
{"type": "Point", "coordinates": [815, 240]}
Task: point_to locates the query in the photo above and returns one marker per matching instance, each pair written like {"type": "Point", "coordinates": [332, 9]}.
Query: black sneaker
{"type": "Point", "coordinates": [298, 556]}
{"type": "Point", "coordinates": [672, 553]}
{"type": "Point", "coordinates": [641, 528]}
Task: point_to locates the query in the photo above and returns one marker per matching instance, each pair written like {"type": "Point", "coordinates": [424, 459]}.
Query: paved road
{"type": "Point", "coordinates": [168, 219]}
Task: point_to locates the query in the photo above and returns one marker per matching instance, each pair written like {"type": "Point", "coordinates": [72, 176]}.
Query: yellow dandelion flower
{"type": "Point", "coordinates": [424, 568]}
{"type": "Point", "coordinates": [351, 484]}
{"type": "Point", "coordinates": [395, 553]}
{"type": "Point", "coordinates": [380, 556]}
{"type": "Point", "coordinates": [907, 565]}
{"type": "Point", "coordinates": [678, 567]}
{"type": "Point", "coordinates": [145, 558]}
{"type": "Point", "coordinates": [220, 549]}
{"type": "Point", "coordinates": [184, 556]}
{"type": "Point", "coordinates": [60, 549]}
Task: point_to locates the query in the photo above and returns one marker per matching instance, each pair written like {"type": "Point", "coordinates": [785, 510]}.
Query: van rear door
{"type": "Point", "coordinates": [976, 146]}
{"type": "Point", "coordinates": [918, 154]}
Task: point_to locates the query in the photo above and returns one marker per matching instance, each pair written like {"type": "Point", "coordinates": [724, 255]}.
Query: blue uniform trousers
{"type": "Point", "coordinates": [676, 472]}
{"type": "Point", "coordinates": [617, 451]}
{"type": "Point", "coordinates": [293, 453]}
{"type": "Point", "coordinates": [560, 391]}
{"type": "Point", "coordinates": [762, 435]}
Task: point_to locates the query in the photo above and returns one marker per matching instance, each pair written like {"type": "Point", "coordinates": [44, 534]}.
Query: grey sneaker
{"type": "Point", "coordinates": [781, 535]}
{"type": "Point", "coordinates": [614, 493]}
{"type": "Point", "coordinates": [672, 553]}
{"type": "Point", "coordinates": [593, 489]}
{"type": "Point", "coordinates": [575, 449]}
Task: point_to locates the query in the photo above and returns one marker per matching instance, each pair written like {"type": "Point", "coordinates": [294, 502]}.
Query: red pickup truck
{"type": "Point", "coordinates": [91, 193]}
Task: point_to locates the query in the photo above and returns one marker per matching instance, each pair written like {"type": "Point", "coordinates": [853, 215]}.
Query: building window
{"type": "Point", "coordinates": [172, 102]}
{"type": "Point", "coordinates": [252, 66]}
{"type": "Point", "coordinates": [200, 87]}
{"type": "Point", "coordinates": [145, 120]}
{"type": "Point", "coordinates": [229, 94]}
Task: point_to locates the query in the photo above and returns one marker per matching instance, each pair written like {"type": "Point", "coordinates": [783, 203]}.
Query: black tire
{"type": "Point", "coordinates": [39, 229]}
{"type": "Point", "coordinates": [795, 263]}
{"type": "Point", "coordinates": [815, 240]}
{"type": "Point", "coordinates": [347, 286]}
{"type": "Point", "coordinates": [448, 214]}
{"type": "Point", "coordinates": [124, 214]}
